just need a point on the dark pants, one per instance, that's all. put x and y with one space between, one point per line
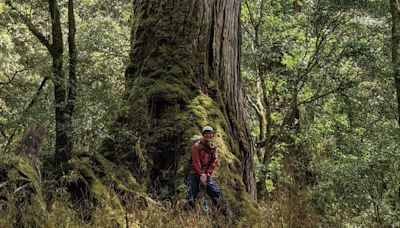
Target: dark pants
211 189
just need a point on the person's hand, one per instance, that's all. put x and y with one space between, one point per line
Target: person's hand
203 179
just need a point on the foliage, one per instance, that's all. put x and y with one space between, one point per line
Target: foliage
333 59
321 101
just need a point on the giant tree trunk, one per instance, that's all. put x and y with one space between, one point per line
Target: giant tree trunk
395 10
184 74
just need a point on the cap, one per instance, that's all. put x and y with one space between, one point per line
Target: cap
207 128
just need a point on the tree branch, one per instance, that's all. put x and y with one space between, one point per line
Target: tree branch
3 133
261 14
320 42
254 106
11 78
316 97
72 58
33 101
252 20
31 27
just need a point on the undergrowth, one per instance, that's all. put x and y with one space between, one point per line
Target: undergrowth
97 193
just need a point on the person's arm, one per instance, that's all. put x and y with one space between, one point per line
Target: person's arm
211 168
196 159
212 165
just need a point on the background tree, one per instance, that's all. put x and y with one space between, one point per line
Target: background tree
103 40
64 86
395 10
326 66
284 72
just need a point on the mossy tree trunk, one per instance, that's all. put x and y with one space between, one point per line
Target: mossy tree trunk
395 11
184 73
64 84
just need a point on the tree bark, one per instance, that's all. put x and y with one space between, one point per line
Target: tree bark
72 61
395 11
63 123
297 6
184 73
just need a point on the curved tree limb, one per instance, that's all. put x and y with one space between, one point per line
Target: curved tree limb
33 101
42 38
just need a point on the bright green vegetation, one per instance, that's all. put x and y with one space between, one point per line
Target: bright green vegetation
329 64
321 106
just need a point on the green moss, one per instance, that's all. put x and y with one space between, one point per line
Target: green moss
62 213
140 155
186 122
109 203
166 108
103 185
206 111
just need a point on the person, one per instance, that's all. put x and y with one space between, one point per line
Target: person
203 163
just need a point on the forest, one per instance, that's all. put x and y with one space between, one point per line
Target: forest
102 100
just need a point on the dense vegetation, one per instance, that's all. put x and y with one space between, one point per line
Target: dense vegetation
320 80
93 94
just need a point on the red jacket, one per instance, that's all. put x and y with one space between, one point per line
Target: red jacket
201 155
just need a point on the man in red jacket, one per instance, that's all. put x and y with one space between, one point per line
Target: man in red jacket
202 166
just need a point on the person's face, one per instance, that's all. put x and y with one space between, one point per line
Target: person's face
208 136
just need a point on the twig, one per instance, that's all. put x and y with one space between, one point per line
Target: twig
22 187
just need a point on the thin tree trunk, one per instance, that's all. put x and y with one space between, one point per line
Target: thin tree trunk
395 11
63 103
63 144
72 60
